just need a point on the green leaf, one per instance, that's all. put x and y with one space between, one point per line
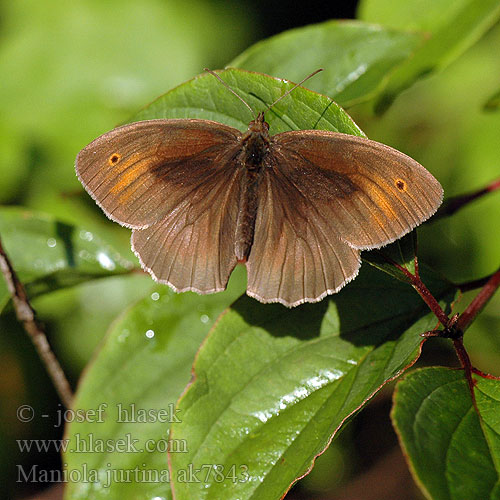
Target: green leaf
452 26
356 57
453 452
273 385
206 98
48 255
400 253
143 366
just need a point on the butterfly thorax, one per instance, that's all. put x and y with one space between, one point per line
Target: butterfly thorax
254 150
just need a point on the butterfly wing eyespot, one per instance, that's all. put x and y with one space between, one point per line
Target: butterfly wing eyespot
400 184
114 159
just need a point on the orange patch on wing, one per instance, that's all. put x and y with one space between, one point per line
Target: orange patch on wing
381 201
376 219
385 207
128 172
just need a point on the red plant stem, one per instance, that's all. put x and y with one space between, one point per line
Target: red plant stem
452 205
430 300
480 300
465 320
425 293
484 375
463 356
422 290
26 315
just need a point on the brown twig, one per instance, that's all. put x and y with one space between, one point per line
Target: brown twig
452 205
26 315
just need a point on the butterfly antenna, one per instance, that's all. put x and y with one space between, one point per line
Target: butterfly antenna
293 88
231 90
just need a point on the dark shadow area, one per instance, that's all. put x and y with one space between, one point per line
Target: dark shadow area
372 309
65 232
275 16
20 367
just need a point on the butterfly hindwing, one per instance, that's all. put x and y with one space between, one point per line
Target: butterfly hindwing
294 258
192 248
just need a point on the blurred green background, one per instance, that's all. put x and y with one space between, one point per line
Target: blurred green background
71 71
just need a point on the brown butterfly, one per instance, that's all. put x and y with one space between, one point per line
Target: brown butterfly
297 207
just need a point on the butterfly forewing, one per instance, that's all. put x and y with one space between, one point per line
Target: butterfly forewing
371 194
141 172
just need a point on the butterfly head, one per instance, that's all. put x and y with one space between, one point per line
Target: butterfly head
259 125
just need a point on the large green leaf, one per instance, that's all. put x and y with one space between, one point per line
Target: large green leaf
453 452
357 58
144 364
48 254
273 385
451 27
206 98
